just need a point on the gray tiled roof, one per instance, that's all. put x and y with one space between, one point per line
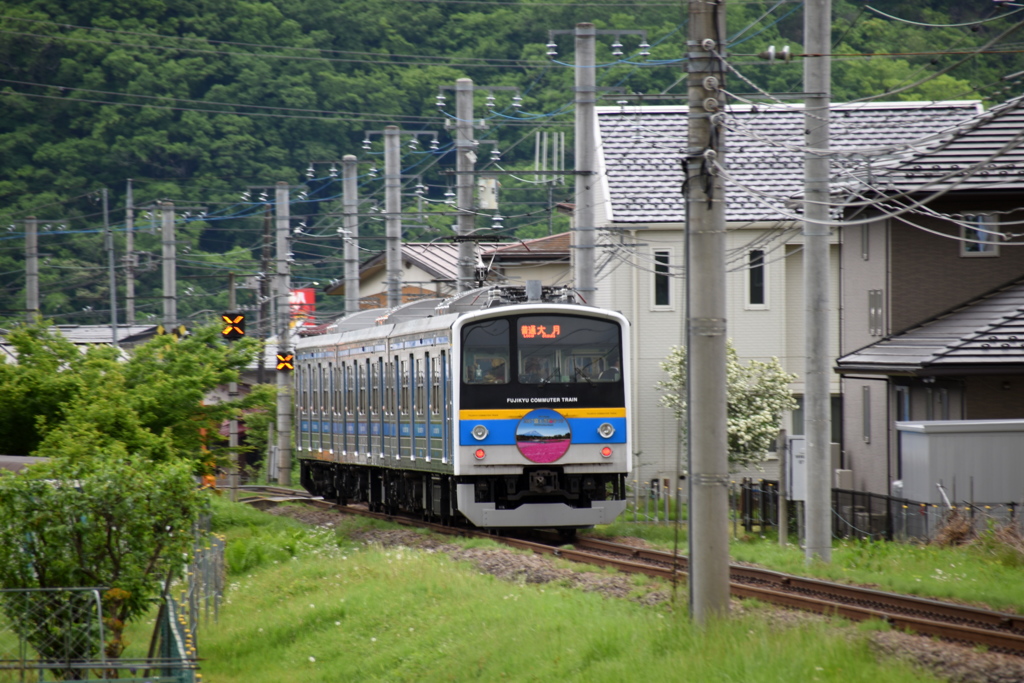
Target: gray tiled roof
984 153
643 148
988 331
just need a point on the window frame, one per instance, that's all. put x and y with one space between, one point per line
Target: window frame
662 270
988 232
748 281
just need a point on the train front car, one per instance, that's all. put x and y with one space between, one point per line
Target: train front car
542 403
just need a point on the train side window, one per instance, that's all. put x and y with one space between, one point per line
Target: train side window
389 388
403 400
364 372
486 352
325 388
350 390
374 389
421 401
435 387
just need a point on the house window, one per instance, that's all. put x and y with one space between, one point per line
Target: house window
757 283
866 412
902 403
876 321
979 236
662 279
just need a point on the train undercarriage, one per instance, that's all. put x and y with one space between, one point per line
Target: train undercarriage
440 497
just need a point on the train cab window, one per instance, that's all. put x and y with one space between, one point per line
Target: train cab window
485 355
566 349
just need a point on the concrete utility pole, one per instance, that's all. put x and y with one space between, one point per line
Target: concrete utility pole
31 268
465 161
284 379
264 326
817 400
393 213
350 222
709 460
169 266
586 153
108 237
129 256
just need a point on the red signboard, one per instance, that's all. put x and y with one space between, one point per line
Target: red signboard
302 303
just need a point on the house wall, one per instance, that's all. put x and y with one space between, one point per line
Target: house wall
866 432
558 273
864 267
929 276
626 284
995 397
416 284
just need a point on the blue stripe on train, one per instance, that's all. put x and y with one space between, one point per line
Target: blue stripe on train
503 432
316 427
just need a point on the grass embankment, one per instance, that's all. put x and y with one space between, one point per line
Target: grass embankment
311 605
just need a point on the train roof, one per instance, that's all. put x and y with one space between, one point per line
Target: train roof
424 315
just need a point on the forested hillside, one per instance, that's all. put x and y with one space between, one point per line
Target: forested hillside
207 103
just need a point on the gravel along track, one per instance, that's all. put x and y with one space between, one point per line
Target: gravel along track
955 663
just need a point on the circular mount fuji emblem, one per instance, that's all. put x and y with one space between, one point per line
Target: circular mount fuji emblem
543 436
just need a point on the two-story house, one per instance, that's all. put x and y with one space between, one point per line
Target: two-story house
933 290
641 209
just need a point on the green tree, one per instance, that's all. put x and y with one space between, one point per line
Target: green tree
114 520
757 394
57 399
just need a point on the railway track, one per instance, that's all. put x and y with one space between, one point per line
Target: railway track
997 631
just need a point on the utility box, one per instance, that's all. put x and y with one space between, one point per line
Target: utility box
796 466
487 193
844 479
975 460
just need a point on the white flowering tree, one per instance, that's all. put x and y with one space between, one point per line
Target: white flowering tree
757 395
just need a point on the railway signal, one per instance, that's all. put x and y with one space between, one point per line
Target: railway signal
285 362
234 326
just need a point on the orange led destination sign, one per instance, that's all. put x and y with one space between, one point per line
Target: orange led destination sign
540 331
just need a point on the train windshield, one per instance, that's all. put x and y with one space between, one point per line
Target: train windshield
485 352
567 349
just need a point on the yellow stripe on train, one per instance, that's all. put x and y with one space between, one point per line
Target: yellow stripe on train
519 413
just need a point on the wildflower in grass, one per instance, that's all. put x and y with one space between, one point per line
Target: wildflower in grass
312 659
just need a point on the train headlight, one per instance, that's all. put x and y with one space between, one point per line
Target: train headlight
606 430
480 432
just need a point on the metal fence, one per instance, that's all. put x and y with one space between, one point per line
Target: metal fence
58 634
754 508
